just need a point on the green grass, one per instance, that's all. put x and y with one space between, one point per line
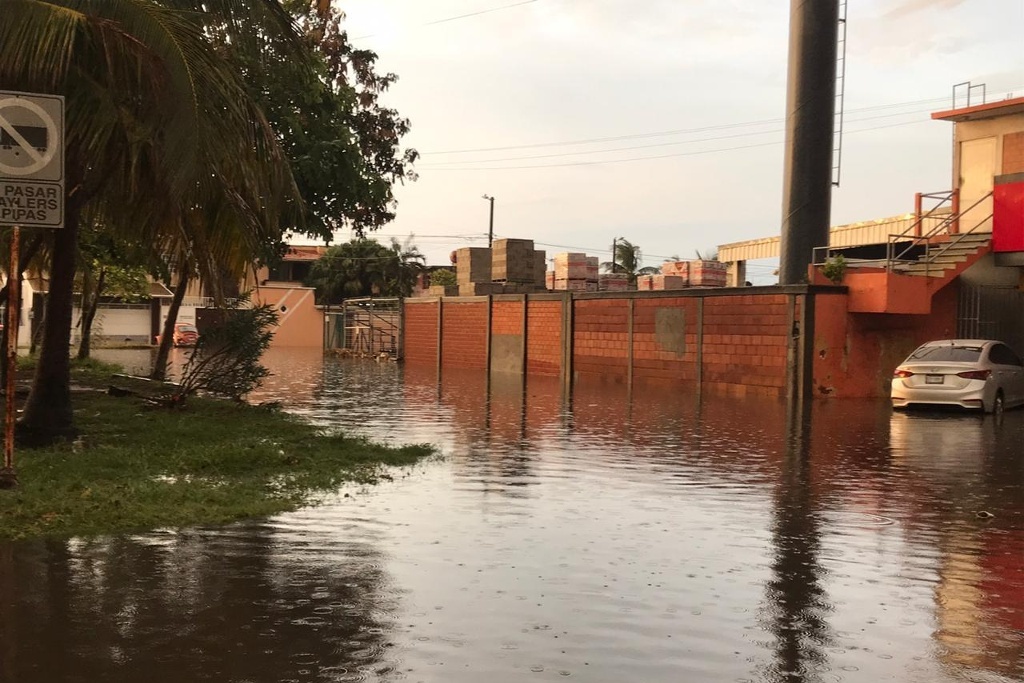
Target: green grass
137 467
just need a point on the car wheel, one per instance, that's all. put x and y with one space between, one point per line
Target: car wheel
999 404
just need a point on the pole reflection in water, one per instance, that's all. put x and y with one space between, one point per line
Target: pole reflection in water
622 536
796 605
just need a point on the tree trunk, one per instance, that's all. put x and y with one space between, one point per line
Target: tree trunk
167 335
89 305
27 255
48 416
37 325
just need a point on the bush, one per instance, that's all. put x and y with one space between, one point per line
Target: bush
443 277
834 268
226 359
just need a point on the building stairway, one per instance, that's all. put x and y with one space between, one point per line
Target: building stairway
915 266
943 259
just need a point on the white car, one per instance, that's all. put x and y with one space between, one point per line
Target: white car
978 374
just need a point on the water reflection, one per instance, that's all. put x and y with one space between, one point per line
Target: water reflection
246 603
971 469
643 537
796 605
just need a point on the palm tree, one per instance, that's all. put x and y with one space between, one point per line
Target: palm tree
408 263
627 259
365 267
162 143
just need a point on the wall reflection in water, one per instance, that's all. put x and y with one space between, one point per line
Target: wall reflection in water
613 535
245 603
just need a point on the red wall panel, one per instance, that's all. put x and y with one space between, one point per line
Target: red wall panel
1008 216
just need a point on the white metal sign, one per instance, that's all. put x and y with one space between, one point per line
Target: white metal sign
31 159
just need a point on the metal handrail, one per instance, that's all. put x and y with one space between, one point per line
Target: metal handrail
942 196
892 258
953 242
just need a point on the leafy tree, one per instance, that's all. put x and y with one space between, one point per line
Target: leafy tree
163 142
708 255
365 267
108 269
342 143
443 277
627 259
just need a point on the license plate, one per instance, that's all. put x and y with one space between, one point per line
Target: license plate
933 379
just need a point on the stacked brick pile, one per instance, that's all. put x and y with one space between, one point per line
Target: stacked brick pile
677 269
572 273
707 274
513 266
512 261
613 282
658 283
473 270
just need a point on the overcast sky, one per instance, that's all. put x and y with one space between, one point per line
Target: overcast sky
688 98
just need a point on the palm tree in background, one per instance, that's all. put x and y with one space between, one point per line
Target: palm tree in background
365 267
163 145
627 259
409 262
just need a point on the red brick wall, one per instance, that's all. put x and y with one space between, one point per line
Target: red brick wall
507 317
1013 153
854 355
600 339
544 338
745 342
464 334
654 361
421 333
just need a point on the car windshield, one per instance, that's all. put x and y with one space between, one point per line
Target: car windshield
955 354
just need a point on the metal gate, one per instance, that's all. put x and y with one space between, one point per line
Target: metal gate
992 312
366 327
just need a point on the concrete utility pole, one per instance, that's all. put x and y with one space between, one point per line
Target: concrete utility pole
810 125
615 244
490 225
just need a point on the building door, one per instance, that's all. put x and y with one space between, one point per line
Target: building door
977 171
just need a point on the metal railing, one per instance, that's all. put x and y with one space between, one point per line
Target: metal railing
916 241
820 255
366 327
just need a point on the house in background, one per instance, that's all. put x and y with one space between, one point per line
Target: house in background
117 322
121 323
300 322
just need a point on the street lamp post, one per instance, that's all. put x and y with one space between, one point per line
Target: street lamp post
490 224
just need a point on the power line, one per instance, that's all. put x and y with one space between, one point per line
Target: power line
461 16
478 13
437 164
665 133
645 158
684 131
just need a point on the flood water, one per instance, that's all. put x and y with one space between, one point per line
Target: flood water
644 538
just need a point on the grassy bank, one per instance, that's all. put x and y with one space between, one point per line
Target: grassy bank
138 467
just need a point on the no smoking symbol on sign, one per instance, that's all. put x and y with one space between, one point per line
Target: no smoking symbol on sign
29 140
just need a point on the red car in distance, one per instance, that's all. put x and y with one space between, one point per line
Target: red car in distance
185 334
